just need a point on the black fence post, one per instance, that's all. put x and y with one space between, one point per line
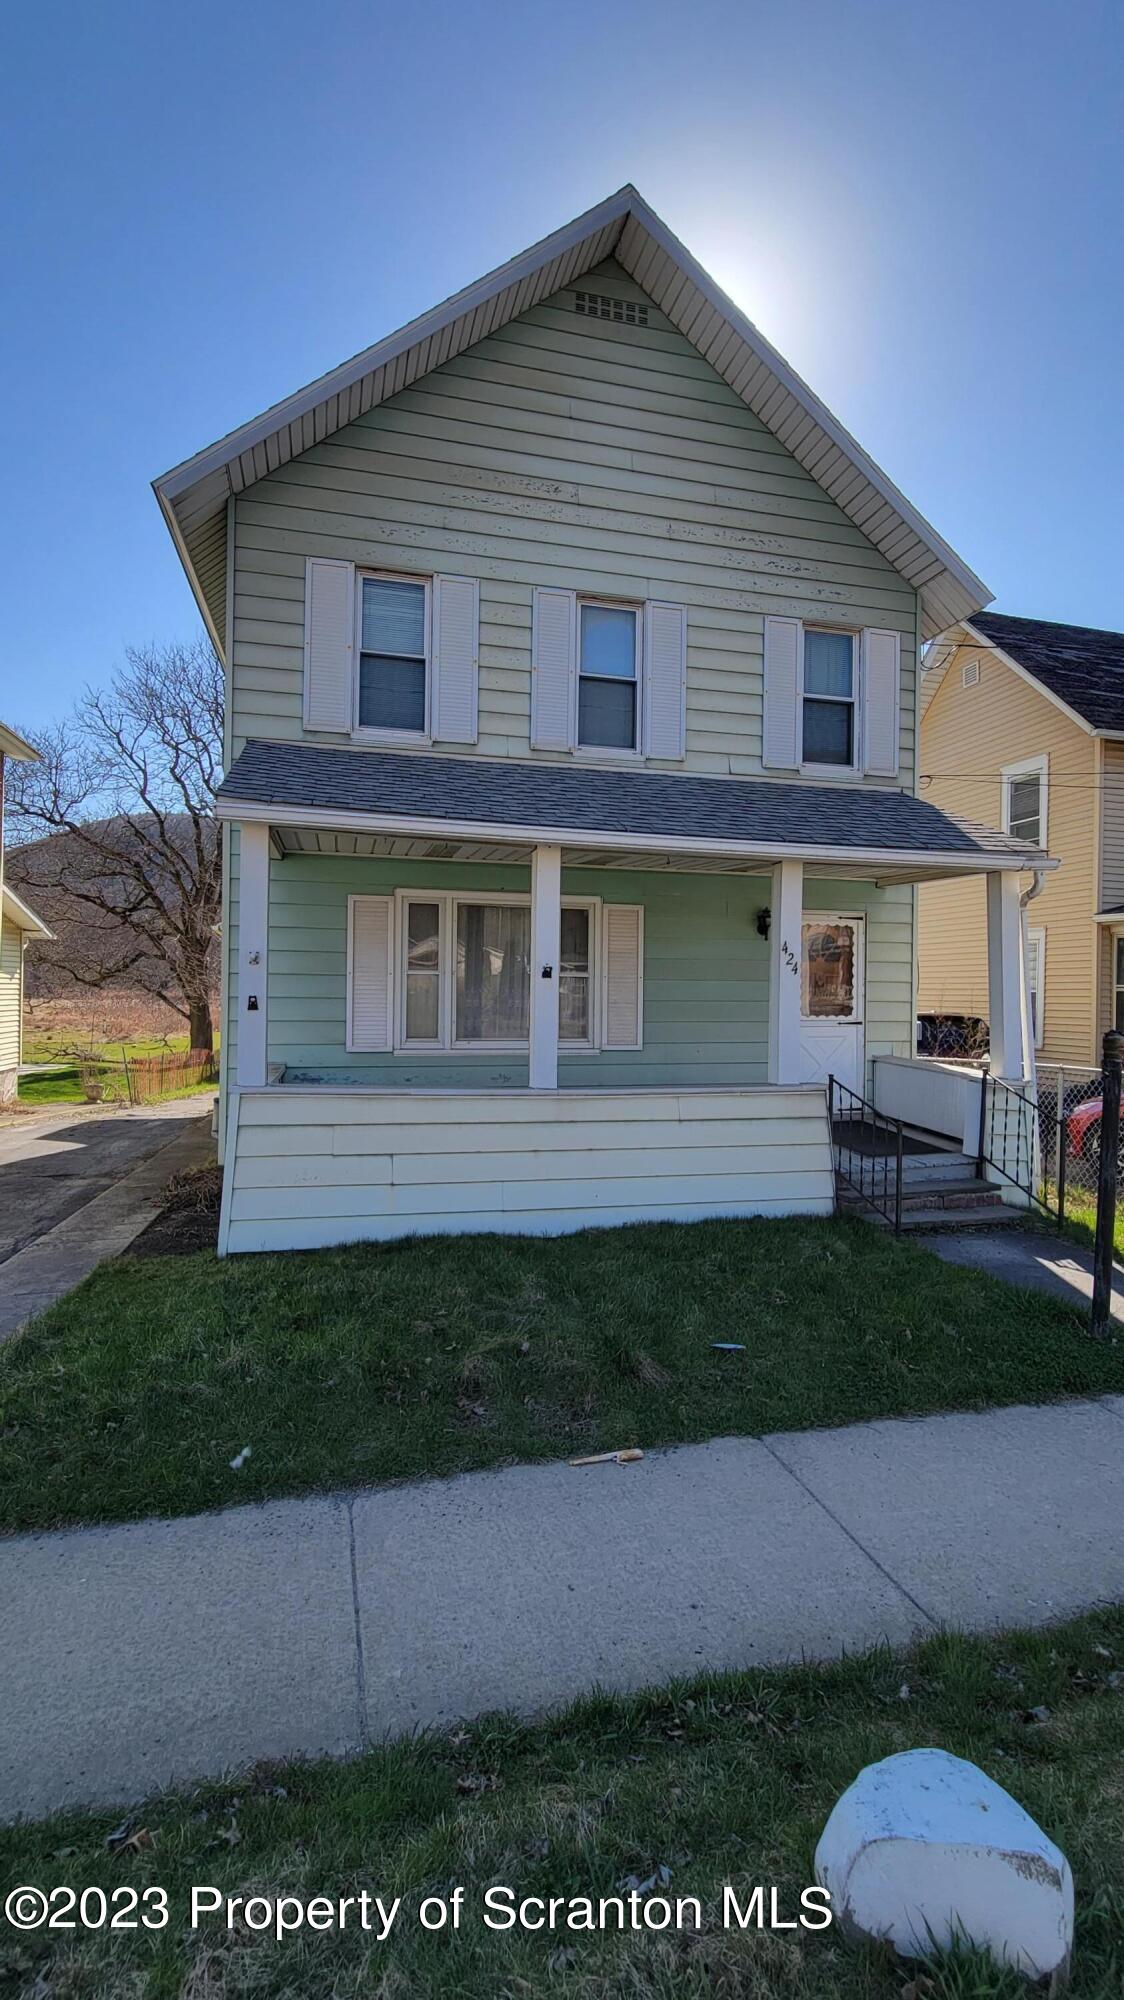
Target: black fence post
1113 1051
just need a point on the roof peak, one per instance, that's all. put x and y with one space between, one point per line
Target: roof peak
193 495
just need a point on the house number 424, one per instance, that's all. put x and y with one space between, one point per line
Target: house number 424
789 957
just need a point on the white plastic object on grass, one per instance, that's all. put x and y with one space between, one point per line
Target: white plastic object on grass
925 1849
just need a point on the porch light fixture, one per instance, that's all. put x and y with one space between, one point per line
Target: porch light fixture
764 918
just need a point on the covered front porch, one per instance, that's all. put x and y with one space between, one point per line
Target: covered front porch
449 1025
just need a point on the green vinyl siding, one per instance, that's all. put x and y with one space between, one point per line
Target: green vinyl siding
706 973
562 450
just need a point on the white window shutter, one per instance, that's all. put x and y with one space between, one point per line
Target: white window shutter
622 975
369 997
456 653
554 667
665 680
881 674
329 643
780 736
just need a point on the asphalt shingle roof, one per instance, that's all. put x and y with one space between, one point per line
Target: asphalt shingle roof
1081 666
292 776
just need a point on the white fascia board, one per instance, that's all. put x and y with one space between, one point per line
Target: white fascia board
413 826
173 525
13 746
18 913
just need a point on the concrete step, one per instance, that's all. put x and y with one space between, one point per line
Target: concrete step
925 1168
973 1212
958 1194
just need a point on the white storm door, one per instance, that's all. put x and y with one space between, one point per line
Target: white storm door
831 1001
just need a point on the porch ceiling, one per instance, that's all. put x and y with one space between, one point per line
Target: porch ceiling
329 841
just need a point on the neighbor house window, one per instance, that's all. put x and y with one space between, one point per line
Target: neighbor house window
465 972
1118 984
1024 801
608 676
393 651
829 698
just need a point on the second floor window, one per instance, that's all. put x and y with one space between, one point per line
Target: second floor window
1024 801
393 655
608 676
829 698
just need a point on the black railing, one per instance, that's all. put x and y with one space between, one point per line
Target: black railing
869 1148
1007 1136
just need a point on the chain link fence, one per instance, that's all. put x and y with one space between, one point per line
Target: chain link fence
1069 1114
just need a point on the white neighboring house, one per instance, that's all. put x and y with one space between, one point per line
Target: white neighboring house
18 925
572 829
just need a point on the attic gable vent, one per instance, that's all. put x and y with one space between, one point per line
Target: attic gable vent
970 674
598 305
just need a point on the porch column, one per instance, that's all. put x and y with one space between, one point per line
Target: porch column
786 918
253 951
1005 976
546 944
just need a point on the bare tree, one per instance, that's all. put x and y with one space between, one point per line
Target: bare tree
129 780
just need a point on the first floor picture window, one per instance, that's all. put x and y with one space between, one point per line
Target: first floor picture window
392 655
1118 984
451 970
493 979
829 698
608 676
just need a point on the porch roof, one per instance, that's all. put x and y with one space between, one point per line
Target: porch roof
396 792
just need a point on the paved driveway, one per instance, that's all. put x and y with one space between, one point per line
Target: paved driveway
51 1166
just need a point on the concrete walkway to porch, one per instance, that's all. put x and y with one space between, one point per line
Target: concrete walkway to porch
137 1656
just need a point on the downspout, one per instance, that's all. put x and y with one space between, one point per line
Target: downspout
1030 1069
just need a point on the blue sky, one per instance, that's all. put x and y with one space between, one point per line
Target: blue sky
920 204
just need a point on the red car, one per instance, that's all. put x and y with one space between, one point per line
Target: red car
1083 1131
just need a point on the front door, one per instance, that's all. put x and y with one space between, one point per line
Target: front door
831 1001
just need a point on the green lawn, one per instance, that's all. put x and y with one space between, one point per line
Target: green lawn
337 1368
64 1086
724 1783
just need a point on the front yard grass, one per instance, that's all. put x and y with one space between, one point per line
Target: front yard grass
340 1368
725 1782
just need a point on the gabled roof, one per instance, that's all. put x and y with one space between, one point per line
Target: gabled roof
667 812
1080 667
193 495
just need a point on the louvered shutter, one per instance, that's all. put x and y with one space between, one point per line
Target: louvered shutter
329 643
780 738
369 996
622 948
665 679
881 700
554 665
456 648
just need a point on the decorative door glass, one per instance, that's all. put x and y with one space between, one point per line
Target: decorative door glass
829 972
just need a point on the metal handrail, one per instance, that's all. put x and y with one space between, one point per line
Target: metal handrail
885 1201
1023 1111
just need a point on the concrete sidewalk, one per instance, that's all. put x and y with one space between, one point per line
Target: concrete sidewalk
132 1657
1030 1257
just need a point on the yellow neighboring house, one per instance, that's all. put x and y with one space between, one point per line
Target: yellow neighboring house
17 925
1022 726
